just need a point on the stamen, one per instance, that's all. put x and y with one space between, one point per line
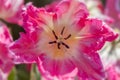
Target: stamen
58 45
65 45
52 42
62 30
54 34
59 40
68 37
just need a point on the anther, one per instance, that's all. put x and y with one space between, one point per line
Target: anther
52 42
54 34
58 45
65 45
68 37
62 31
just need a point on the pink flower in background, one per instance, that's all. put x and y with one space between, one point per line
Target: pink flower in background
10 10
112 9
64 39
96 10
113 71
3 76
112 74
6 62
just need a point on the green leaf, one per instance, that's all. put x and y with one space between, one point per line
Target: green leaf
35 75
12 75
22 73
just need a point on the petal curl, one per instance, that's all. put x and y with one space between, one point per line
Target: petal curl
37 18
92 32
28 50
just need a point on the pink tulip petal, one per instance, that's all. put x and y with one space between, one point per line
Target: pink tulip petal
113 12
10 10
5 54
26 52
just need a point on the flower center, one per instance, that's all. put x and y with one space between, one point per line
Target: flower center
60 39
59 43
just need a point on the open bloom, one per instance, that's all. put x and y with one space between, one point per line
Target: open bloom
113 11
5 57
63 39
10 10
